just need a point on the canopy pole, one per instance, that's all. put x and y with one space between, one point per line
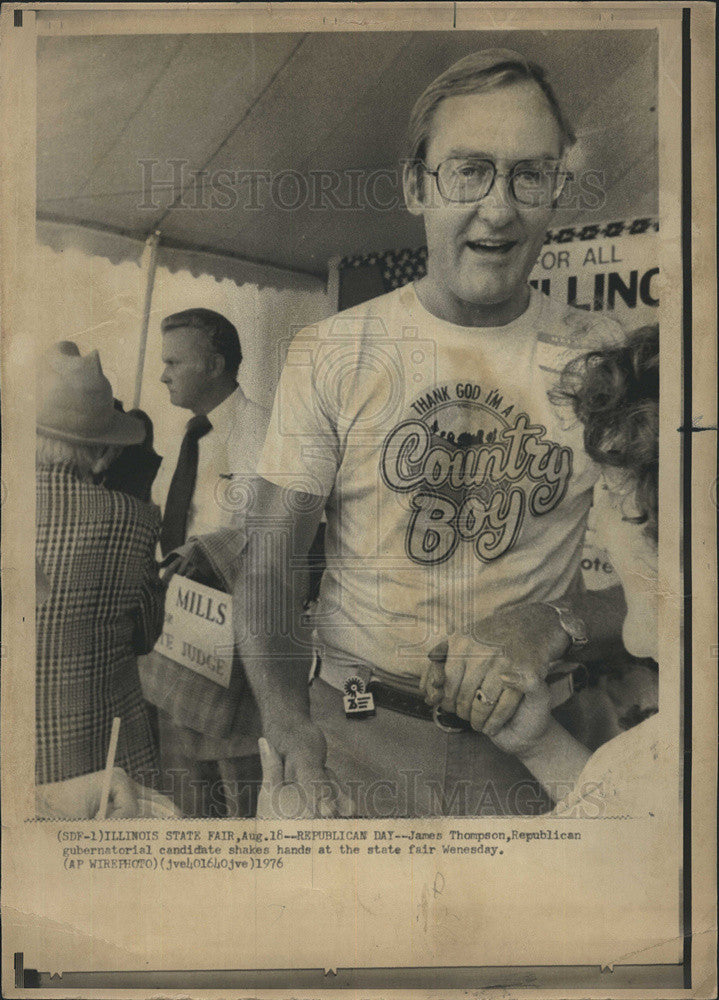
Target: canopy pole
148 265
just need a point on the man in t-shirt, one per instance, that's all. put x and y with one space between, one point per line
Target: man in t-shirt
456 491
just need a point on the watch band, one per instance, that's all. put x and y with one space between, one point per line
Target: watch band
571 623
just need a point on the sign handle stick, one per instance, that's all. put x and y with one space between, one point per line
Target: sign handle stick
109 767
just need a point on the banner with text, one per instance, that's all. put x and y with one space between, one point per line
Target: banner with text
608 267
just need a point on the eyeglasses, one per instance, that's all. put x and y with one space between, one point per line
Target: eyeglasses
531 182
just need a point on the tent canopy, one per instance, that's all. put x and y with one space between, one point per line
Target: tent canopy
124 121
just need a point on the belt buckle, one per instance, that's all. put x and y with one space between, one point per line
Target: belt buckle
437 714
358 702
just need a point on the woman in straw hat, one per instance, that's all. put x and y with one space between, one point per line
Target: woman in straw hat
95 547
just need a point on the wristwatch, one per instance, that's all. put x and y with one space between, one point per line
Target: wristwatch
571 623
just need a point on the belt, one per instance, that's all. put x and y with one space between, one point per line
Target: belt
562 685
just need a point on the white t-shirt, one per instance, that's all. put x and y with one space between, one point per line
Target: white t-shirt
453 486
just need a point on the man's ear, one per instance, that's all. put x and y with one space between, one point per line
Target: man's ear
413 184
215 365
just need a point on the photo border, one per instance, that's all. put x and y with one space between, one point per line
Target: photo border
29 978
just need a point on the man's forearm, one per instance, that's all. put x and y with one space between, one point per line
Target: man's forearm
273 642
556 760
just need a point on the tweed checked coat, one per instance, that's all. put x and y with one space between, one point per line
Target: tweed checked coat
96 547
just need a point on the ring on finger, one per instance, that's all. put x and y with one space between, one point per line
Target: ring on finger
481 696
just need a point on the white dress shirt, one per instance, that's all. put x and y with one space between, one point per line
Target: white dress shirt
227 459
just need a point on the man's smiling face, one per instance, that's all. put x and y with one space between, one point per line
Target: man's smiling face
481 253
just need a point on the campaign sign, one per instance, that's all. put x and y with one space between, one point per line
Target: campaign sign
198 629
608 267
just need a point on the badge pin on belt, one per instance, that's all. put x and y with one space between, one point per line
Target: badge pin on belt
359 704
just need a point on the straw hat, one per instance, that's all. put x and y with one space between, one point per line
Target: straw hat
74 401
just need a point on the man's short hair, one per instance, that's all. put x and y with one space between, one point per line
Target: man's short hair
222 334
481 71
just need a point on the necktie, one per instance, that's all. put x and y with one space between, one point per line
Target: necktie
179 497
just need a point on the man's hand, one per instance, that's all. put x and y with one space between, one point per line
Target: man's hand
524 732
79 798
187 560
526 640
297 788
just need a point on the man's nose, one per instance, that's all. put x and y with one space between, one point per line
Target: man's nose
498 206
165 377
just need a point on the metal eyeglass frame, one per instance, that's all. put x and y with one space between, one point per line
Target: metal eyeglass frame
565 175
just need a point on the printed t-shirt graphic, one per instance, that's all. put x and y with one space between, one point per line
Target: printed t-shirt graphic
453 485
473 472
